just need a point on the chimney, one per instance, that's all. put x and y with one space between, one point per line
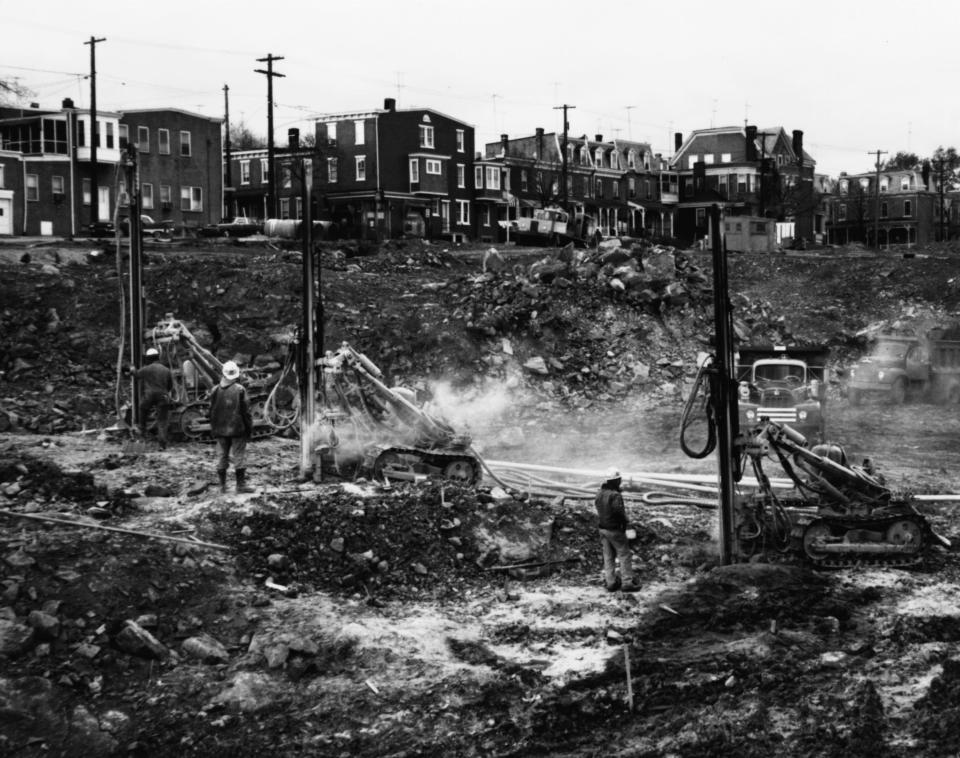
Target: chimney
293 138
677 140
598 137
539 142
798 145
389 104
540 131
751 143
504 139
67 103
925 174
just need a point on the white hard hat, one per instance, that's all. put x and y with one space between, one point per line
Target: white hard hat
151 351
613 473
230 370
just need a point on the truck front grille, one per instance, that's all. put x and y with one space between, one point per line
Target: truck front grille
781 415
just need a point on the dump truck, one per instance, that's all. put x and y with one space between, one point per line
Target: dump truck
783 383
909 366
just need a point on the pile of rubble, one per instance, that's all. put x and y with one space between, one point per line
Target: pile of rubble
402 542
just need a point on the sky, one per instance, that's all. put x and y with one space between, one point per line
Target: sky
855 77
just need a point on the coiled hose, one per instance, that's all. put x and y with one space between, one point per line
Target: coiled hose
703 389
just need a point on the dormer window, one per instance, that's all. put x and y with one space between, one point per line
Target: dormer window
904 183
598 157
632 159
884 184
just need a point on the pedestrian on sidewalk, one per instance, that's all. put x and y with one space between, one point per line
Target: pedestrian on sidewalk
231 424
613 525
156 386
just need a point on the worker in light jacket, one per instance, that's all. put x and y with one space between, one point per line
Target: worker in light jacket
231 424
156 387
613 525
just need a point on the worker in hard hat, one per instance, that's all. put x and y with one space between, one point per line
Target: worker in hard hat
612 523
231 423
156 386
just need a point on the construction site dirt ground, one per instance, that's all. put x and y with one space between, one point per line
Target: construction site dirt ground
396 636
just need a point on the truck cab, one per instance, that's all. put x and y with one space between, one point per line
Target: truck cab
786 384
895 364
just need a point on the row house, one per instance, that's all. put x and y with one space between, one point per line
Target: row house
620 183
46 168
763 175
372 174
898 207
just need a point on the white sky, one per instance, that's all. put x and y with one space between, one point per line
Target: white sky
854 76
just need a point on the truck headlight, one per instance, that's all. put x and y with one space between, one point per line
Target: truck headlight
880 376
802 415
744 390
751 415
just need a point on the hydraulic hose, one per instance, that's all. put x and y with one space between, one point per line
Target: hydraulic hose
702 387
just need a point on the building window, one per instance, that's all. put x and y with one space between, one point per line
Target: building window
614 159
460 141
463 212
493 177
599 192
864 185
185 146
708 159
414 171
646 161
110 134
739 227
298 208
124 132
146 195
779 159
478 177
244 172
87 190
884 184
81 133
693 159
904 183
725 158
165 197
264 169
701 216
433 167
191 198
907 208
615 189
632 159
760 227
1 177
883 210
286 177
56 184
332 170
523 180
284 207
844 186
842 212
426 135
143 139
461 175
487 221
163 141
631 187
33 187
361 167
598 156
359 134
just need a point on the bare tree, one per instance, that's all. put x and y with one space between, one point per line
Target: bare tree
243 138
12 92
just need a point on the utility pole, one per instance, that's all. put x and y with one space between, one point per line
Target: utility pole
272 182
136 277
763 171
226 141
94 134
876 200
563 153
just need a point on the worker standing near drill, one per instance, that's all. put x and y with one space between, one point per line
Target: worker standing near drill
613 525
156 384
231 424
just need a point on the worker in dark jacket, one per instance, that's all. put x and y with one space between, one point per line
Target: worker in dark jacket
231 424
156 384
612 523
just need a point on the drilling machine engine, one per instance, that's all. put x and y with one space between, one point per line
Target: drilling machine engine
838 514
382 429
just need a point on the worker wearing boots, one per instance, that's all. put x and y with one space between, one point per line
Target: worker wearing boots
156 384
612 522
231 424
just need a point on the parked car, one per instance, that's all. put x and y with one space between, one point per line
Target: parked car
241 226
101 229
151 228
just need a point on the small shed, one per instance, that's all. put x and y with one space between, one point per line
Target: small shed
750 234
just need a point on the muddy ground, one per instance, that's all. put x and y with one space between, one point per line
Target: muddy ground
349 619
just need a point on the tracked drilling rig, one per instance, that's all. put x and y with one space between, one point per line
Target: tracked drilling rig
837 514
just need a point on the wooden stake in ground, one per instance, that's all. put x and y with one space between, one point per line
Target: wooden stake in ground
626 666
